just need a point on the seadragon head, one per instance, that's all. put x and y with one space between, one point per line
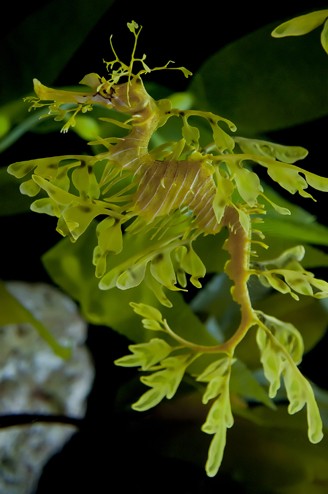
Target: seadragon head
122 90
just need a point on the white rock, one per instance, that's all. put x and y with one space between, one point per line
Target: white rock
34 380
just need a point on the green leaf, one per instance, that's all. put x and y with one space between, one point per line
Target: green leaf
87 127
299 227
13 312
324 37
263 84
244 383
302 24
286 228
69 265
44 57
4 125
289 255
210 250
280 456
11 199
16 122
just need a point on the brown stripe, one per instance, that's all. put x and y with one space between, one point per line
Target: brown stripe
169 185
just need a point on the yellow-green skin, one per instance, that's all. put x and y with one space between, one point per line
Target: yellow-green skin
170 195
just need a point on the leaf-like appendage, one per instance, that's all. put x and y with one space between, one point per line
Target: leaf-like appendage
219 417
110 239
300 393
245 384
29 188
222 199
163 383
290 177
287 154
277 362
84 180
288 275
290 255
158 290
216 375
271 362
295 281
145 355
163 271
216 450
192 264
247 182
285 333
147 311
132 276
145 257
152 318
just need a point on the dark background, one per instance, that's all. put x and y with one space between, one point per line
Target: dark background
107 455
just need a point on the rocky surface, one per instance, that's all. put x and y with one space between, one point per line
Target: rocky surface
34 380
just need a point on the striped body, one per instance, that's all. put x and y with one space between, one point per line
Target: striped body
166 186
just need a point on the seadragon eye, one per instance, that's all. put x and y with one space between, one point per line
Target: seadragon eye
106 91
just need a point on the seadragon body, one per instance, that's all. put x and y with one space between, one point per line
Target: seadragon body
163 197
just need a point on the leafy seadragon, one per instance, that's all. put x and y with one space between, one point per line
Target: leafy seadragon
172 193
